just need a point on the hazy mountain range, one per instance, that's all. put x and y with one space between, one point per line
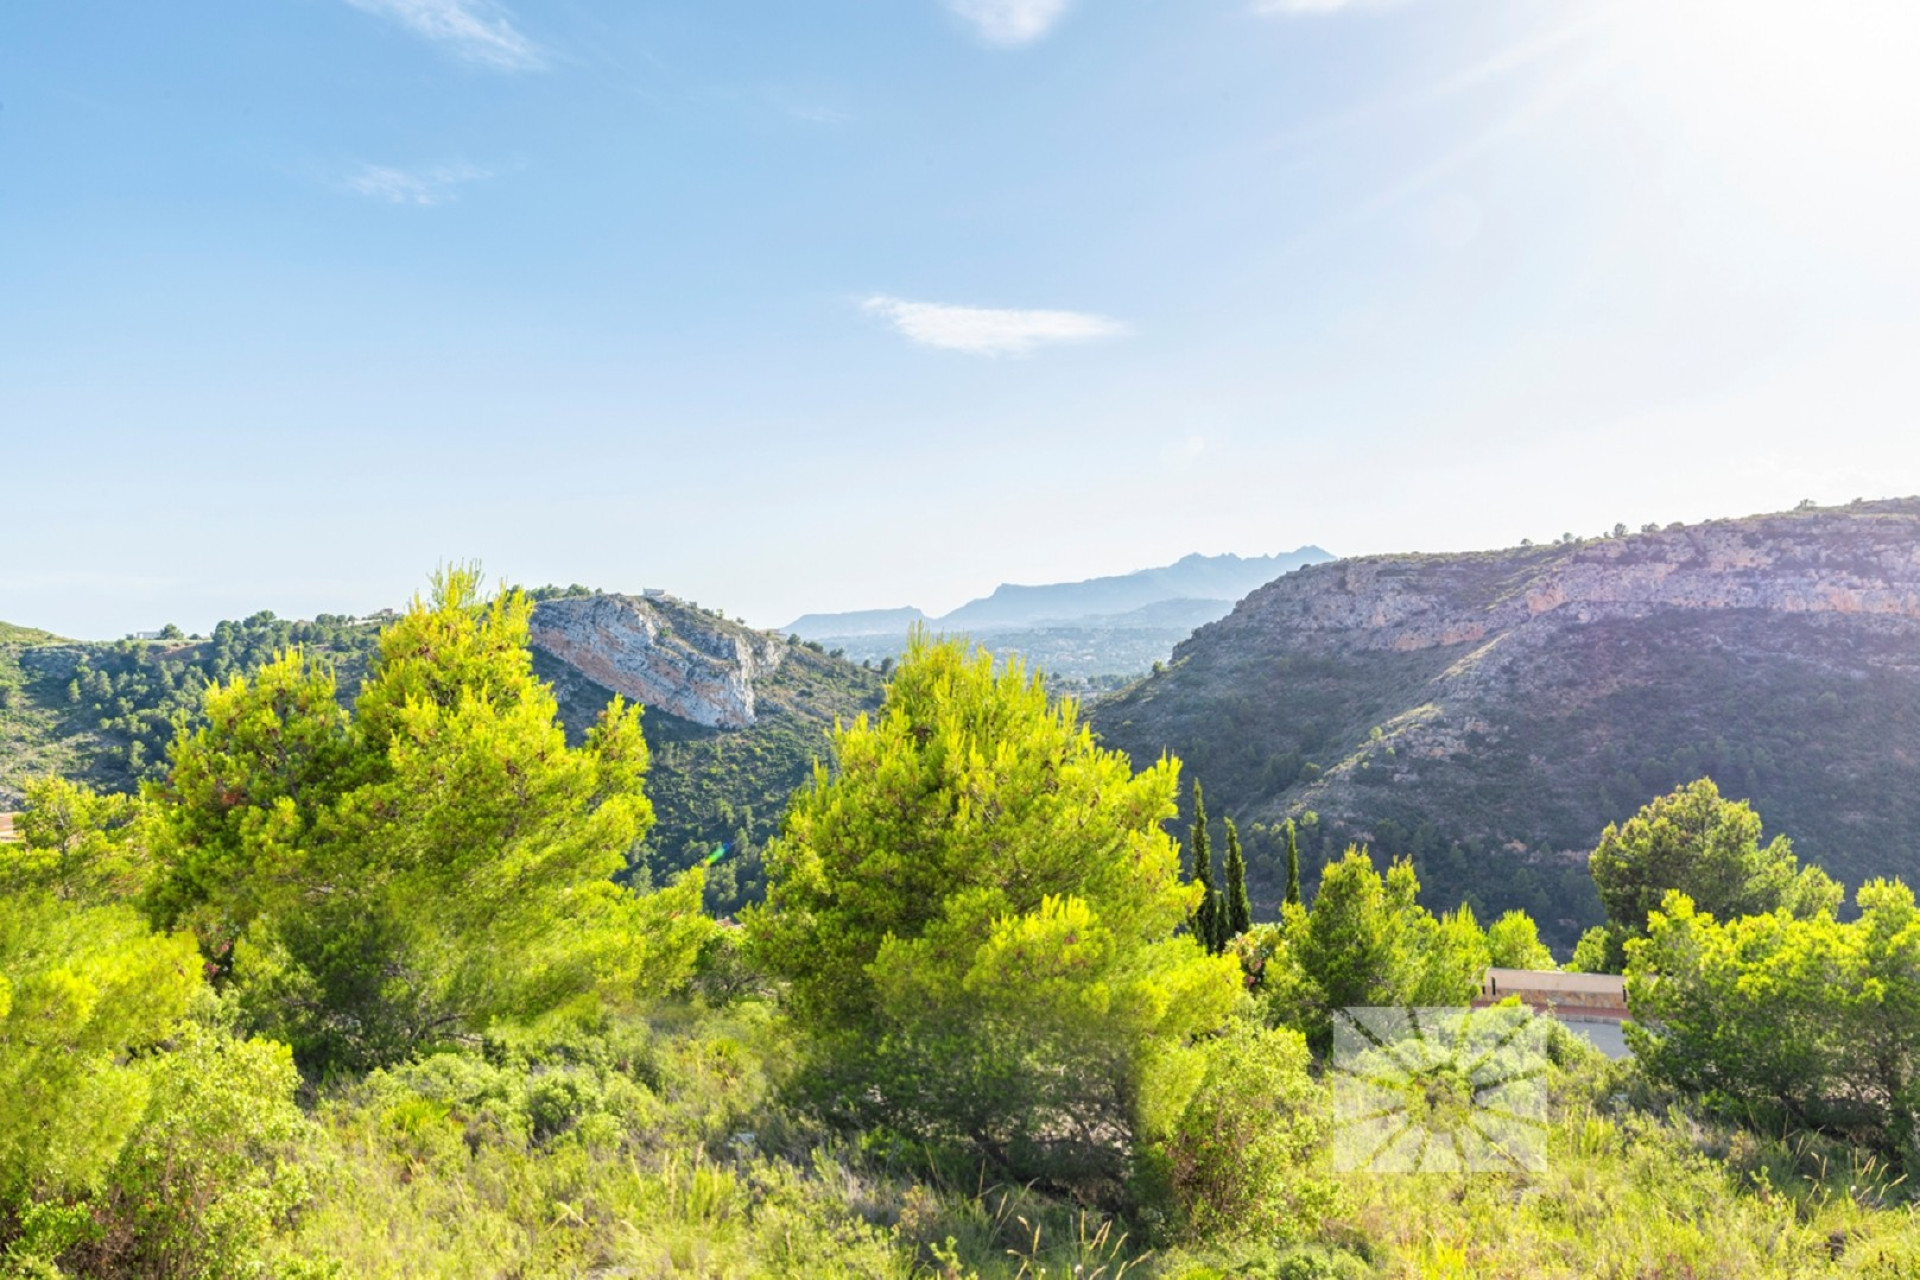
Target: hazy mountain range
1114 626
1193 578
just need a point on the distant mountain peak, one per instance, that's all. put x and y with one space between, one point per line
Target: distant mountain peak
1193 577
859 622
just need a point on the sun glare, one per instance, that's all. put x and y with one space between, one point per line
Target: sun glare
1814 108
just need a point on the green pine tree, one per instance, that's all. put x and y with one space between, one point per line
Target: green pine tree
1238 907
1206 918
1293 864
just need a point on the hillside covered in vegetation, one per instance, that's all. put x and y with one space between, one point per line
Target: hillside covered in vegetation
736 719
105 713
1488 714
357 989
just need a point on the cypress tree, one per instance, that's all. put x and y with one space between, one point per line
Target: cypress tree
1293 864
1239 908
1206 926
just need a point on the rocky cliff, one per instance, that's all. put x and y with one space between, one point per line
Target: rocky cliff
1487 714
736 719
661 652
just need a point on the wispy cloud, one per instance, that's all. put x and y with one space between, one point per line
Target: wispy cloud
1010 22
816 115
434 185
990 331
1319 6
477 30
806 108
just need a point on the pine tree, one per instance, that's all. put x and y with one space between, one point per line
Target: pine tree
1239 908
1206 918
961 943
1293 864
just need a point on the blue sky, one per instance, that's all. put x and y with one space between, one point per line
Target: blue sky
855 303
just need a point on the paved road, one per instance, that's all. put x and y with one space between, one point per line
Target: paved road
1603 1033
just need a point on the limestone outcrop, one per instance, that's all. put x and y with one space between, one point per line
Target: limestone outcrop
1864 561
1490 713
662 652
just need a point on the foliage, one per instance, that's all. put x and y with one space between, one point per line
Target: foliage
1513 942
974 913
1694 841
1238 907
105 714
714 788
1206 924
1236 1163
1631 1193
239 810
971 968
74 844
1811 1021
1292 897
440 859
1599 950
81 987
553 592
1367 942
216 1171
114 706
13 633
588 1145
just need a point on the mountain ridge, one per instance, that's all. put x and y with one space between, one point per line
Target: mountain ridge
1487 713
1087 636
1225 577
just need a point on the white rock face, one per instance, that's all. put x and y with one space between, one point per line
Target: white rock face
1838 562
1515 621
661 653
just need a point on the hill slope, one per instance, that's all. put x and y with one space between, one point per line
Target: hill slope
735 717
13 635
1488 714
103 711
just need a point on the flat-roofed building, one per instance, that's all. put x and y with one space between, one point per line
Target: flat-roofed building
1592 1005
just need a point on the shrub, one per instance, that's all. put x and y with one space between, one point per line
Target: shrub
215 1171
1237 1162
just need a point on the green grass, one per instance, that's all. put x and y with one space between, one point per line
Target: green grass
669 1152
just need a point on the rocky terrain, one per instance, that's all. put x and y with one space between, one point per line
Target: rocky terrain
661 652
1488 714
735 718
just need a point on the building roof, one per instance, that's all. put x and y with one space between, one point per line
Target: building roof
1518 981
